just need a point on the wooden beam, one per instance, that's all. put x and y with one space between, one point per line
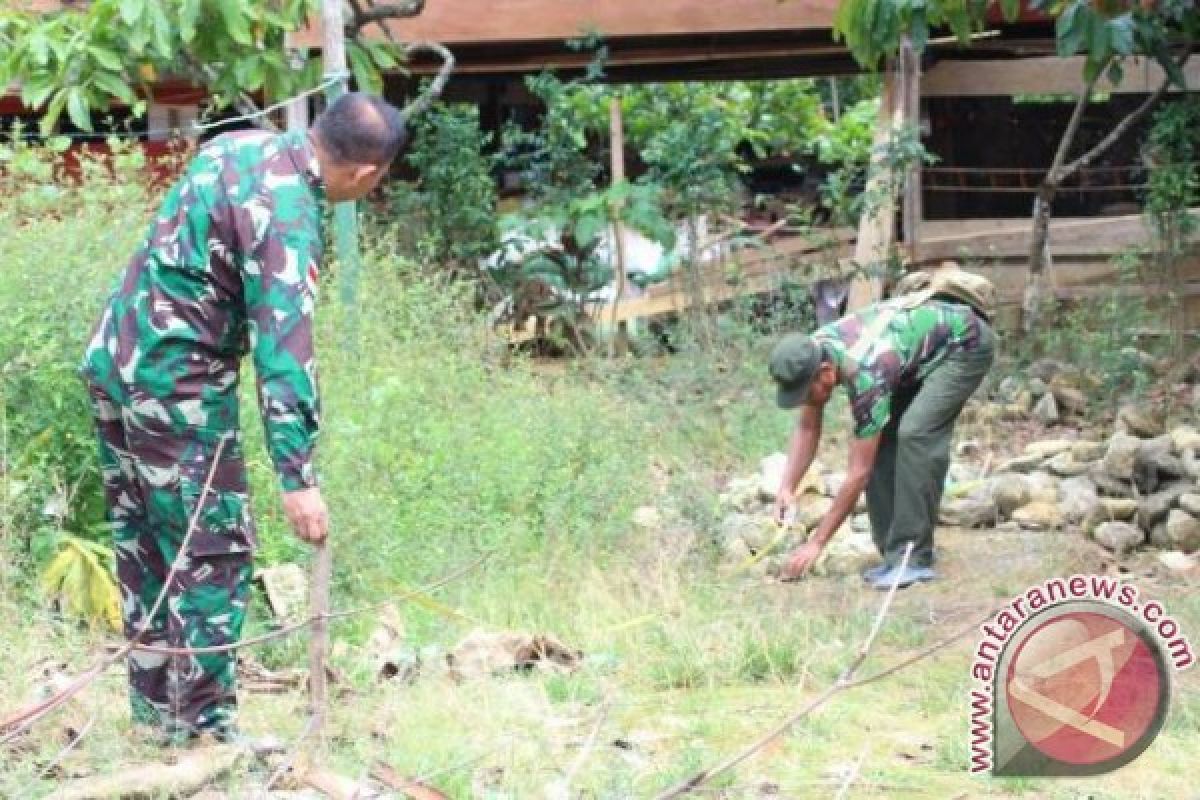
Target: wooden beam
910 71
1042 75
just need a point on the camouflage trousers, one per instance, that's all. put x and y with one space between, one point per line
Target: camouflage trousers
154 474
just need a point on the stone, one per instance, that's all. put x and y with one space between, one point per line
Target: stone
1048 448
1184 437
1064 465
1190 502
810 508
737 552
860 523
1121 456
1079 499
1039 516
1046 410
1084 450
1024 401
1183 531
1038 388
1119 537
1191 463
770 475
976 510
1007 391
1158 536
1043 487
1153 507
1122 508
1159 453
1070 400
1009 491
1022 463
647 518
1178 561
1108 485
737 525
1045 369
1138 419
847 553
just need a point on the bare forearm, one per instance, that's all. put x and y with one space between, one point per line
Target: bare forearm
803 448
843 504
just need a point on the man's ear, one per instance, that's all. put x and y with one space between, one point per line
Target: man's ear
365 173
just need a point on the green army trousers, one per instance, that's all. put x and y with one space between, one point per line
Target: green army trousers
905 487
154 473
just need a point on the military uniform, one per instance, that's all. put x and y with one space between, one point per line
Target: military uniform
908 372
228 267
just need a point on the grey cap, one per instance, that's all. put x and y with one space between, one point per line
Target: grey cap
794 362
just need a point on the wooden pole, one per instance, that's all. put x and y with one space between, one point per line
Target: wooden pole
910 72
877 227
345 217
297 110
618 344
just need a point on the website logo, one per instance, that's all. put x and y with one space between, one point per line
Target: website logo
1073 677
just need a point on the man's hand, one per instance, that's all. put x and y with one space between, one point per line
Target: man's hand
306 512
783 504
801 560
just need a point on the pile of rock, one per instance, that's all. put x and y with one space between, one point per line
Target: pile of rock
753 543
1139 486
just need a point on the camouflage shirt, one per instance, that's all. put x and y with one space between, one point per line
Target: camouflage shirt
228 267
885 347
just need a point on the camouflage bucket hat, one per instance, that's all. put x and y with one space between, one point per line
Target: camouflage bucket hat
793 363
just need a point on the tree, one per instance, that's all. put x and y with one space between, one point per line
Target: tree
1105 32
84 59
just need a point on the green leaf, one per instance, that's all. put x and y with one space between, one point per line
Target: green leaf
77 109
1071 29
114 86
1120 30
131 11
34 95
105 58
53 112
235 21
1116 73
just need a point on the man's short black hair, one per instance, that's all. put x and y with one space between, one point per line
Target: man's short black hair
361 128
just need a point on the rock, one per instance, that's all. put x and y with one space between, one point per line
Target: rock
1023 402
1119 537
484 653
1159 453
1022 463
1043 487
1008 389
1121 456
1048 448
810 508
1152 508
1185 437
848 553
1158 536
1046 410
1178 561
1065 465
1009 491
737 551
1190 502
976 510
1079 499
1108 485
770 475
860 523
1039 516
1088 450
1191 463
1139 420
1038 388
1183 531
1122 508
760 534
1070 400
647 518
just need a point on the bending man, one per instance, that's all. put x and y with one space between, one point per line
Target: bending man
228 268
908 371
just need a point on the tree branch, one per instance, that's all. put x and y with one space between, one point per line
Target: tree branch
845 680
426 98
379 15
244 104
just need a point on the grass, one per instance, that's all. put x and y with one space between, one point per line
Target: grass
437 450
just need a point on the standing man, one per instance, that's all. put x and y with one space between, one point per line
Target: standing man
228 268
908 366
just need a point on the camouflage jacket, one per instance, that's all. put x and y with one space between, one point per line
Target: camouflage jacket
228 267
886 346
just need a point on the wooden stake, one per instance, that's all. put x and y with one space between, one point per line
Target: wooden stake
618 343
910 71
297 110
318 644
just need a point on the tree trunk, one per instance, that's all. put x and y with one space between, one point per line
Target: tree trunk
1039 242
